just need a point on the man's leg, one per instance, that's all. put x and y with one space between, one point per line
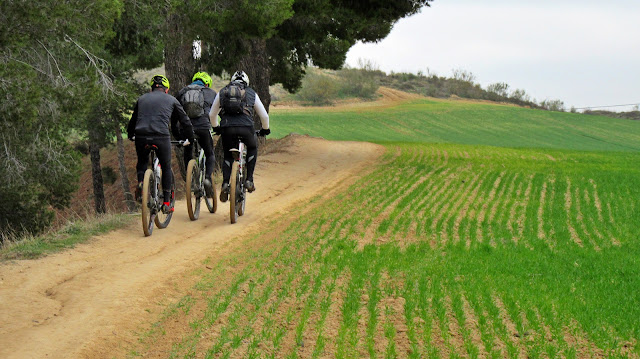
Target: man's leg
229 141
251 141
164 155
141 166
187 156
143 158
206 142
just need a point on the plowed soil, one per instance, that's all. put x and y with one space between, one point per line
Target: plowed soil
89 301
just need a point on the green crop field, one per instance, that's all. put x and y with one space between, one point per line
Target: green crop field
439 121
529 247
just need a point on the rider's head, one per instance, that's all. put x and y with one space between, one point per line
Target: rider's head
159 81
240 76
204 77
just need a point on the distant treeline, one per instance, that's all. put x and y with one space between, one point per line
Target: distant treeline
631 115
323 87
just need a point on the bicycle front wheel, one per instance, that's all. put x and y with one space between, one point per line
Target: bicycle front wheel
211 202
148 203
242 192
162 220
193 190
233 193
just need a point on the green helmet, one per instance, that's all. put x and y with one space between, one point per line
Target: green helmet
204 77
159 80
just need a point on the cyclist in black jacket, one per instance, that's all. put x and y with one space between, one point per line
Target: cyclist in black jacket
149 125
201 81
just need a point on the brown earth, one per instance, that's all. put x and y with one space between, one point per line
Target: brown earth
89 301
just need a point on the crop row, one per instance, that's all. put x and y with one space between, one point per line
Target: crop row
441 251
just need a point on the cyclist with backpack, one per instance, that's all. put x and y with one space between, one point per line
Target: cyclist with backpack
196 99
236 103
152 115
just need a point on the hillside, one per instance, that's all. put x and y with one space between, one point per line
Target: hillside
460 121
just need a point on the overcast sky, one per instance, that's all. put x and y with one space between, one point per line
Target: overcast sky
585 53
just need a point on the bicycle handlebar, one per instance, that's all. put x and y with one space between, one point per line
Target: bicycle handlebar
183 143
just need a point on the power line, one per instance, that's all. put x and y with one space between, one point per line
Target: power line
590 107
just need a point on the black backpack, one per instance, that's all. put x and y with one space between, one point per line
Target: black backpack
193 101
233 99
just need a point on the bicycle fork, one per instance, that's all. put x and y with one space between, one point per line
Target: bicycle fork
240 155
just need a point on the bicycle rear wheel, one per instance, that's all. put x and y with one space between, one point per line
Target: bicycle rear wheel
148 205
193 190
242 192
211 202
162 220
233 193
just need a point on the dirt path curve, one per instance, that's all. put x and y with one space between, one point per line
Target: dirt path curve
87 302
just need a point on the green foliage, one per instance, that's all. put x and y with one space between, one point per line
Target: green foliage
51 68
358 83
323 32
224 27
462 84
552 105
500 89
318 89
109 175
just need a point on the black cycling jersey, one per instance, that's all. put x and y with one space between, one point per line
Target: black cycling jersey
152 115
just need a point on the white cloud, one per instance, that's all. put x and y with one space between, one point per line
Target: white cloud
584 53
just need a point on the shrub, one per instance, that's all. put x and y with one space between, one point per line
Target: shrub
553 105
109 175
318 89
358 83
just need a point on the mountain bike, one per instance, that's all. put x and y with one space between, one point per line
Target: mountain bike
237 190
195 190
152 193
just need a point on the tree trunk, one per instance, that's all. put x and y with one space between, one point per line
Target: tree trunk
96 169
256 65
126 186
179 65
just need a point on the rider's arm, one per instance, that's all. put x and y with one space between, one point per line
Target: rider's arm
215 109
262 112
185 122
131 128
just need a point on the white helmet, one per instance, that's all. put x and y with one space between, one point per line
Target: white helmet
240 76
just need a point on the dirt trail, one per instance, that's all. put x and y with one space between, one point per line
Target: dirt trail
87 302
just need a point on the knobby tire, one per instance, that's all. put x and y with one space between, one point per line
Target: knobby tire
233 183
162 220
147 216
193 190
211 202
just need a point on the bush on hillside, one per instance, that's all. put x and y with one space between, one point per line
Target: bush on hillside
630 115
553 105
318 89
358 83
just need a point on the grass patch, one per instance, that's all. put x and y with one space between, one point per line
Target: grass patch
461 122
67 237
443 251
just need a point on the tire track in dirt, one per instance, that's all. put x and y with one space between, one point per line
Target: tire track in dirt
111 286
